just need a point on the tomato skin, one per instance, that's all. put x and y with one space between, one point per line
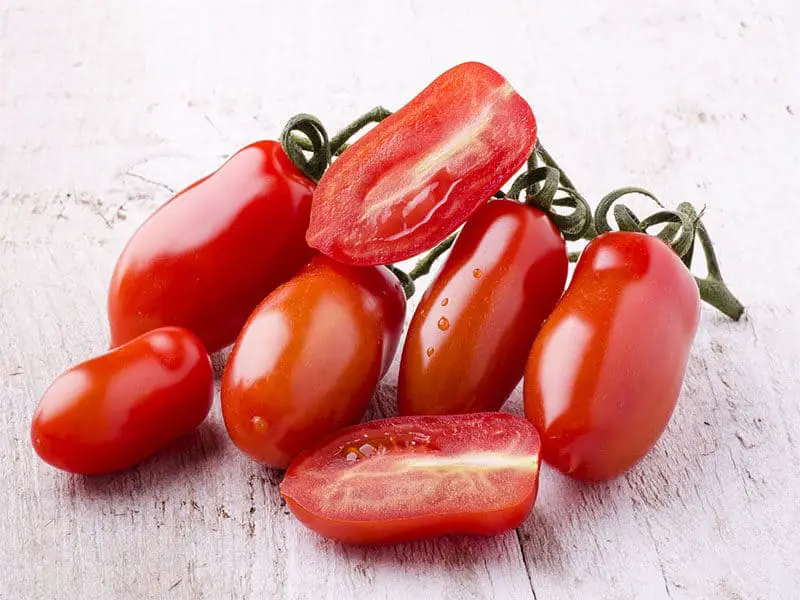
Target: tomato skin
419 174
409 478
309 358
206 258
471 334
605 372
115 410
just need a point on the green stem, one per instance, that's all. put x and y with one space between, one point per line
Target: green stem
423 267
338 141
408 284
713 288
551 162
542 183
319 145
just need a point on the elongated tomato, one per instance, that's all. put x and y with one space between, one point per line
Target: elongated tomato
207 257
420 173
472 332
115 410
605 372
310 357
410 478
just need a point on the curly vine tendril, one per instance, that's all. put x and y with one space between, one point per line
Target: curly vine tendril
683 226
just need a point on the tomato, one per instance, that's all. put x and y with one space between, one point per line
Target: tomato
410 478
471 334
310 357
419 174
606 369
115 410
207 257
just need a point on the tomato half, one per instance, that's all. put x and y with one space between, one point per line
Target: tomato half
419 174
309 358
471 334
606 369
207 257
411 478
115 410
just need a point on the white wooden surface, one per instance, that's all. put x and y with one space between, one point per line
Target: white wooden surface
107 107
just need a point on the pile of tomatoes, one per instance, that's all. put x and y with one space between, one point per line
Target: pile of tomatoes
288 252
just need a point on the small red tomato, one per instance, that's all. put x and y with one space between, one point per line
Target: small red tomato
115 410
309 358
472 332
419 174
606 369
207 257
410 478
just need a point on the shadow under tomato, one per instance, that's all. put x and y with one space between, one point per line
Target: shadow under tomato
384 400
176 465
219 360
446 554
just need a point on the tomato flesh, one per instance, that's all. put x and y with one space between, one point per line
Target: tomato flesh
418 175
471 334
408 478
115 410
309 358
606 369
206 258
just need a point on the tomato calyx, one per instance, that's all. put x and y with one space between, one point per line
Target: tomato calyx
682 227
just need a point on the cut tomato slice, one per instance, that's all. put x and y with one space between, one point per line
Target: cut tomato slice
410 478
418 175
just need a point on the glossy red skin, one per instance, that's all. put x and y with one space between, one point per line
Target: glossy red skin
115 410
605 372
419 477
207 257
310 357
472 332
419 174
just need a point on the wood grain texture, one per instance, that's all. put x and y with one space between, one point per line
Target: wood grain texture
106 108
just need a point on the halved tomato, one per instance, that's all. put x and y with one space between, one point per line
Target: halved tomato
409 478
420 173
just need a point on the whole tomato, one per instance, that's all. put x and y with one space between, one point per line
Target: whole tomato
114 410
207 257
606 369
410 478
419 174
471 334
309 358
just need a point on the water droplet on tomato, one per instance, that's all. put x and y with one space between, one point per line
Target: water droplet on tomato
259 424
445 301
477 273
444 324
351 457
430 351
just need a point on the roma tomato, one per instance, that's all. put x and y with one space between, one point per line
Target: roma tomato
419 174
606 369
471 334
310 357
115 410
207 257
411 478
